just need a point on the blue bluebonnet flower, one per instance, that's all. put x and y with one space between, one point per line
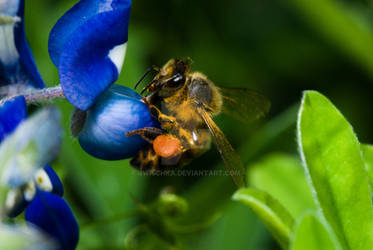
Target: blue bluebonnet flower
12 113
41 195
48 212
88 45
45 208
17 65
52 214
18 198
44 179
118 111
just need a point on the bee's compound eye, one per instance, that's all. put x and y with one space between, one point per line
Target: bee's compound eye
167 146
176 81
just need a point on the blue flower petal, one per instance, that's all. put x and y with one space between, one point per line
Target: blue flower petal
18 198
118 111
87 45
52 214
17 65
56 182
12 113
47 180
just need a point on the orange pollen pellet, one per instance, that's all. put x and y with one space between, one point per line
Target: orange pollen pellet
167 146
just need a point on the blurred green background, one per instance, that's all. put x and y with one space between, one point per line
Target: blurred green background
278 48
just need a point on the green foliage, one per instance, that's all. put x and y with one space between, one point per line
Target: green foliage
262 45
332 158
271 212
367 151
282 176
337 177
356 36
311 234
143 238
172 205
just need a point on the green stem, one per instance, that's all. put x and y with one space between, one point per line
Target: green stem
109 219
36 95
188 229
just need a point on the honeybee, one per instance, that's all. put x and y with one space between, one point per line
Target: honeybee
184 103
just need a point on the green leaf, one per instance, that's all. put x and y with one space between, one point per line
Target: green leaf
367 151
282 176
200 194
277 219
333 162
311 234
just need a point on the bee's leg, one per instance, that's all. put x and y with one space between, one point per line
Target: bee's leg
150 99
147 133
146 160
167 122
156 113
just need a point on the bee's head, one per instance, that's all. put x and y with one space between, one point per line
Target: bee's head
171 77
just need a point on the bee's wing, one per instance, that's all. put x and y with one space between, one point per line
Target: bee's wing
243 104
229 155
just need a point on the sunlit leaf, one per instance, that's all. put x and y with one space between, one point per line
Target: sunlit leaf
311 234
367 151
277 219
282 176
333 162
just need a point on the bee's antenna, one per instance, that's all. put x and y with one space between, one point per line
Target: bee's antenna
155 68
156 81
147 87
189 61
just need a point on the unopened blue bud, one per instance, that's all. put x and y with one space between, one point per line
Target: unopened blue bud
118 111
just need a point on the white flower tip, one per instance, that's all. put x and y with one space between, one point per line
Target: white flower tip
117 55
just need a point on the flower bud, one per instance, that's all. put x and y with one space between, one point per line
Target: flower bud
118 111
172 205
